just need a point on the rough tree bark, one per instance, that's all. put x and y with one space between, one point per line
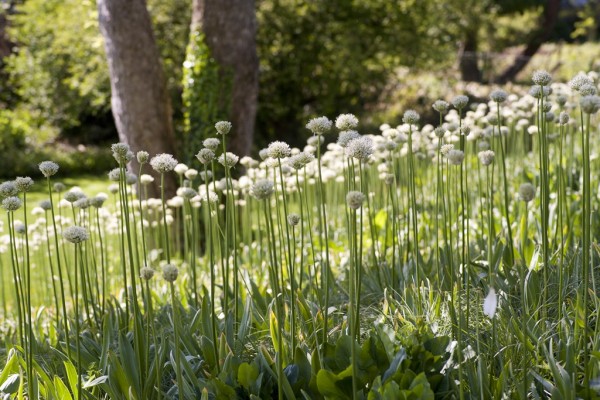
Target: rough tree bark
139 97
549 20
230 30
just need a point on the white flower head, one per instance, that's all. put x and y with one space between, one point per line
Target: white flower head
346 136
163 163
319 125
262 189
181 168
48 168
211 143
355 199
541 77
146 179
223 127
490 303
143 157
279 150
76 234
459 102
498 96
228 160
170 273
8 189
527 192
12 203
360 148
486 157
411 117
441 106
455 157
346 122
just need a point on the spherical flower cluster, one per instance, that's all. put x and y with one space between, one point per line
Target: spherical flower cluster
541 77
188 193
11 203
211 197
346 122
8 189
411 117
98 201
143 156
76 234
527 192
298 161
540 91
580 80
441 106
48 168
355 199
360 148
59 187
445 149
73 195
439 132
561 100
563 118
279 150
121 152
262 189
170 273
211 143
206 176
319 126
146 273
346 136
205 156
191 174
180 169
146 179
486 157
228 160
82 203
163 163
588 90
293 219
459 102
590 104
223 127
45 205
498 96
114 188
455 157
114 174
263 154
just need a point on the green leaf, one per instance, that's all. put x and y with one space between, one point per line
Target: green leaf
247 374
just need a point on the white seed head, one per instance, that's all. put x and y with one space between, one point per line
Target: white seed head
319 125
541 77
48 168
76 234
298 161
206 176
411 117
170 273
498 96
228 160
121 152
346 136
8 189
12 203
355 199
459 102
279 150
346 122
262 189
360 148
441 106
163 163
293 219
580 80
486 157
527 192
146 273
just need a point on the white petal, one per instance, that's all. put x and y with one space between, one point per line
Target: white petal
490 303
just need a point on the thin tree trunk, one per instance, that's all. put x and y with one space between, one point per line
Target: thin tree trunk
469 69
230 30
139 97
549 22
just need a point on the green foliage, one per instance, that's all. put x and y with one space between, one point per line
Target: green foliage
206 89
328 57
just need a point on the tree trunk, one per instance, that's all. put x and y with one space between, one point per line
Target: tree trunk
229 27
469 69
549 22
139 98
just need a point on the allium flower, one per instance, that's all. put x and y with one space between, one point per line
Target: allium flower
550 116
59 187
170 273
20 227
48 168
441 106
45 205
486 157
355 199
561 100
82 203
188 193
180 169
212 197
98 201
191 174
263 154
143 157
114 174
73 195
455 157
319 126
346 122
483 145
298 161
262 189
163 163
460 102
564 118
580 80
205 156
498 96
490 303
228 160
346 136
223 127
588 90
76 234
541 77
279 150
146 179
388 179
527 192
360 148
211 143
315 140
8 189
11 203
293 219
590 104
121 152
206 176
411 117
146 273
130 179
439 132
539 91
446 148
23 183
